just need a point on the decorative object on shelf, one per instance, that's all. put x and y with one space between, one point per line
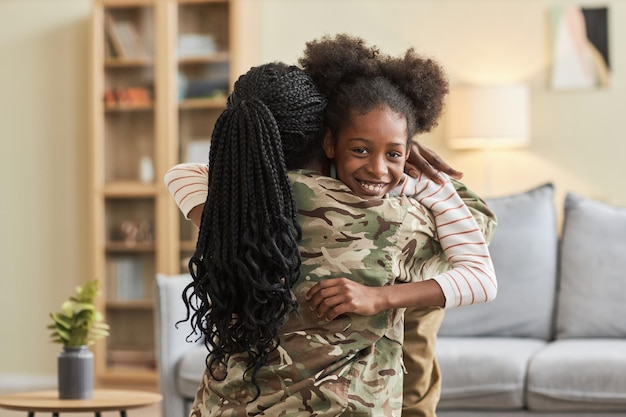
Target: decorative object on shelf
146 169
134 231
77 326
183 83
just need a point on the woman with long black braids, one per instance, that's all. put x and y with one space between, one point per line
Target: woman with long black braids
247 256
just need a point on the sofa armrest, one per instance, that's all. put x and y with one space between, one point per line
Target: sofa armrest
171 340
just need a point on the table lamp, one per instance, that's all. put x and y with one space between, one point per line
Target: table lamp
488 117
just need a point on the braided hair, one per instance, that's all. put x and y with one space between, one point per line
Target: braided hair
247 256
357 78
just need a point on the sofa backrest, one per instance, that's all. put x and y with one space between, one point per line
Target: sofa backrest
591 301
524 253
171 339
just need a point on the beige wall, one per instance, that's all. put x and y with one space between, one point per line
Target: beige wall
43 169
577 141
577 137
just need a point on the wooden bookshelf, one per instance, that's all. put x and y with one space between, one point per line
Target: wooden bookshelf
160 74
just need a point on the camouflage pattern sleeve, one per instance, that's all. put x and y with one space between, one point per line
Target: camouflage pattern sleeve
485 218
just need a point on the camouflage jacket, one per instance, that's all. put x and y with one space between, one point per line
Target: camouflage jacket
352 365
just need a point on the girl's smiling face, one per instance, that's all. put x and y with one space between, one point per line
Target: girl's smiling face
370 152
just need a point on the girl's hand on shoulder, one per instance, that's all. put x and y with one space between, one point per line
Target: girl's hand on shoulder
333 297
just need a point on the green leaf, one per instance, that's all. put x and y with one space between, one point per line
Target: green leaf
62 320
79 323
63 333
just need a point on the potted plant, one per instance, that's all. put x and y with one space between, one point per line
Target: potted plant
76 327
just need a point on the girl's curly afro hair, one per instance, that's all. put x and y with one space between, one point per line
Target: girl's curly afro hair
356 77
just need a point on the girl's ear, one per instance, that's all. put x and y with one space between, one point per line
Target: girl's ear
328 144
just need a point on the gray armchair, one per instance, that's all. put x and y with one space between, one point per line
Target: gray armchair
179 362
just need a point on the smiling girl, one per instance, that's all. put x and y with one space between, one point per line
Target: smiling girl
376 104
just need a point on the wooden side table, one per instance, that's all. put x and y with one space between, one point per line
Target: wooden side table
103 400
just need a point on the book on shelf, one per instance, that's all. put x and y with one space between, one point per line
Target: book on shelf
127 96
124 38
125 279
117 47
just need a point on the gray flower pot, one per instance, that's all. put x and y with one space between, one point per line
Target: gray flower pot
75 373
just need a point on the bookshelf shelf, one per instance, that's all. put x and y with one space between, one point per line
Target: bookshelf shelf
144 52
129 107
132 376
146 305
206 58
121 247
122 189
203 103
128 63
188 245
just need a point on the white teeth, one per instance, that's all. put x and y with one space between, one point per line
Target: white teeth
372 187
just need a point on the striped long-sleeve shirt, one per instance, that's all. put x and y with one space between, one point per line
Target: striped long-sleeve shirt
188 183
470 277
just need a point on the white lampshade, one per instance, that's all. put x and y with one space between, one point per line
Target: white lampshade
488 116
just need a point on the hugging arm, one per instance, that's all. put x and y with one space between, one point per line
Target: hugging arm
189 184
467 276
471 278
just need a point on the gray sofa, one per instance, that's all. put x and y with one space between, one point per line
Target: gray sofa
553 343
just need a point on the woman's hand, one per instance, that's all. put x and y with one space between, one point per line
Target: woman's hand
427 161
332 297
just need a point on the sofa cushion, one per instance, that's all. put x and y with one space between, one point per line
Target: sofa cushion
592 270
578 374
524 253
484 373
190 370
